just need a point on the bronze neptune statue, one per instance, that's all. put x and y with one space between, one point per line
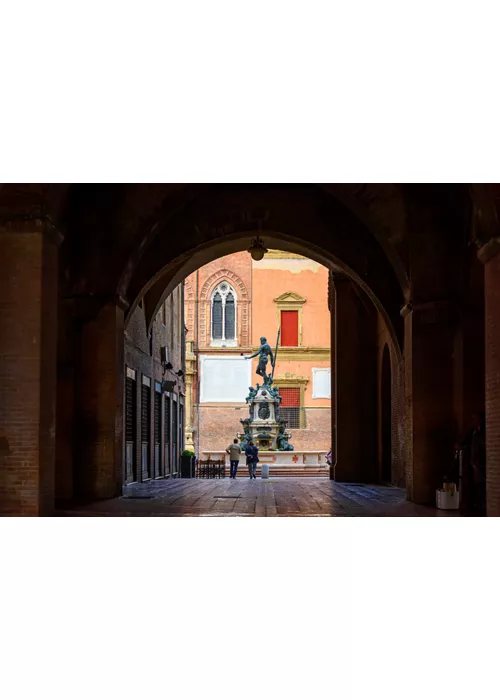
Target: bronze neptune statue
264 352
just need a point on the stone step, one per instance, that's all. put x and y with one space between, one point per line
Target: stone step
284 471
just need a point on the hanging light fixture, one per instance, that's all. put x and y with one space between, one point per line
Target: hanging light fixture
257 248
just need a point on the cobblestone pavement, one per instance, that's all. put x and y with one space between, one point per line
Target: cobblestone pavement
302 497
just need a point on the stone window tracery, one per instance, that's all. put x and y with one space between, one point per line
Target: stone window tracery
223 316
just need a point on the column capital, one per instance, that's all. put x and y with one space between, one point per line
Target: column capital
489 250
429 312
37 224
86 307
334 278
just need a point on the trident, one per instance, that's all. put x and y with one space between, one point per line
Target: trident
275 355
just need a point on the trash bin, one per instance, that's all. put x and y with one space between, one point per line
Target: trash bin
264 474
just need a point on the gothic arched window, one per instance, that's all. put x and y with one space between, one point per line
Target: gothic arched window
223 326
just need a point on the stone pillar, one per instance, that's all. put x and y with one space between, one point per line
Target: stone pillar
489 254
188 406
429 415
28 349
356 373
99 404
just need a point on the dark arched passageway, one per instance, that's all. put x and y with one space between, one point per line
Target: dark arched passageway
402 245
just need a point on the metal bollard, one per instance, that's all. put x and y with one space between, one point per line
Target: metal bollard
264 474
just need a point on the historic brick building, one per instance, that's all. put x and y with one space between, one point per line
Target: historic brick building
155 391
230 303
414 271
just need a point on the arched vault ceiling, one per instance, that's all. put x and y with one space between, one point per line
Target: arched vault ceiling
302 214
118 237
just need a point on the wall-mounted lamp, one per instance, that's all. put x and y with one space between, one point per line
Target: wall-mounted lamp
168 365
257 248
179 373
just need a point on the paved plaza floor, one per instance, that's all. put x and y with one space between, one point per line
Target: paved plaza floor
292 497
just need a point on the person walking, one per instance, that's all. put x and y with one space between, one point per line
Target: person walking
234 452
252 454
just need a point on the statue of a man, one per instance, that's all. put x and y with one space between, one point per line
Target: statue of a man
264 352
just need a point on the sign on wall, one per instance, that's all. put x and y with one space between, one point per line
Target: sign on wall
322 386
224 379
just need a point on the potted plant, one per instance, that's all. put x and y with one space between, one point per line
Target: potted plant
187 464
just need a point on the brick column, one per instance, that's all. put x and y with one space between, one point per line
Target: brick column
99 405
28 348
429 417
489 254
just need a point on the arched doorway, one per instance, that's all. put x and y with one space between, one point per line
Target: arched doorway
386 422
226 221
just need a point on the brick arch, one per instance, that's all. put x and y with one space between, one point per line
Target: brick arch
189 303
243 317
217 277
188 290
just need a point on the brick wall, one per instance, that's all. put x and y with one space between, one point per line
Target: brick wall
28 323
219 425
143 354
492 295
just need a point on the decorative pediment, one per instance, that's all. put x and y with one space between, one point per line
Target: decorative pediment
290 298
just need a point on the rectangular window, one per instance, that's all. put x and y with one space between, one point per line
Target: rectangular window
145 413
145 426
130 409
229 318
217 317
290 406
130 426
168 432
175 435
289 328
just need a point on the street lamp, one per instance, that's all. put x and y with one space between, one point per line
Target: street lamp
257 248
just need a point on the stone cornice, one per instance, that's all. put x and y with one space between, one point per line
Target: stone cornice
87 306
35 224
282 255
290 379
304 353
428 312
289 353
